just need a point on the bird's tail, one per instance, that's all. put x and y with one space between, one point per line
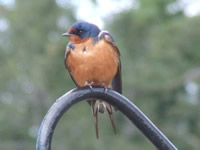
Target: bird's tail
100 106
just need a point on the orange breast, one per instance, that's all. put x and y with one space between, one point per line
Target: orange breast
93 62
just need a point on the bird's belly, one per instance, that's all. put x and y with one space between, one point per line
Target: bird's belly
93 66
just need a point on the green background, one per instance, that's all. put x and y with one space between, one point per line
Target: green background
160 55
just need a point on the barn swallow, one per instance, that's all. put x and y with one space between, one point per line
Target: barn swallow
92 58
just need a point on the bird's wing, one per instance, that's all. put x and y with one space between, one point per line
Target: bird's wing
69 47
117 80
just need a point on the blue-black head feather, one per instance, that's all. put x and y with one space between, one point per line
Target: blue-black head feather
84 29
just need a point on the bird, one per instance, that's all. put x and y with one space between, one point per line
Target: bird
93 59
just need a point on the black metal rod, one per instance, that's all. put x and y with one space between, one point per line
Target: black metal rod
124 105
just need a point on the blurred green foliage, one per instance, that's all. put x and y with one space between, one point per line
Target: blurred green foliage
160 59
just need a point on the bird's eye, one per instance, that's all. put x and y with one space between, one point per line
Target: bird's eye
80 31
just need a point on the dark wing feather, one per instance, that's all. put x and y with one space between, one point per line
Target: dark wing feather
117 80
69 47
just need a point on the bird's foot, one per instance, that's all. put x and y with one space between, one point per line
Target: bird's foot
89 84
105 87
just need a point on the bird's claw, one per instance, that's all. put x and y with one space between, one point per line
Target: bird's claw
105 87
89 85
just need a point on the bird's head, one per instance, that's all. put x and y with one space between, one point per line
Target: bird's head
81 31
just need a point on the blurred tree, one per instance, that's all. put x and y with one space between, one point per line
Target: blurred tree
31 53
158 50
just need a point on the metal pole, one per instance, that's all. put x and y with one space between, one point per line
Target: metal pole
124 105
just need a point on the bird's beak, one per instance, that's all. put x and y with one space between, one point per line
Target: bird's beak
67 34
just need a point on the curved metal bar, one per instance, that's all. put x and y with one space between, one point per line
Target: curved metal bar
124 105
